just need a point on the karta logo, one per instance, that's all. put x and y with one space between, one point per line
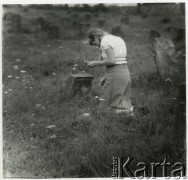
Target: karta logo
121 168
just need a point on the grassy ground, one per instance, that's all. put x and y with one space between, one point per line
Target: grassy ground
47 136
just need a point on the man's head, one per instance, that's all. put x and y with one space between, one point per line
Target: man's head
95 36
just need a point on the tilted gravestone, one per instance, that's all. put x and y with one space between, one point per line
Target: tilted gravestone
125 19
101 22
180 34
87 17
80 83
14 22
180 120
117 31
46 26
76 24
165 57
83 28
53 32
85 25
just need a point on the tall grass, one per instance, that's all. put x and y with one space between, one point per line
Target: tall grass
47 135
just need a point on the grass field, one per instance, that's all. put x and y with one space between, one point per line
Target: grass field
47 136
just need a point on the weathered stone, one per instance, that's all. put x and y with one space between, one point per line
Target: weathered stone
125 19
87 17
53 32
13 21
165 57
117 31
75 24
80 83
180 34
101 22
65 20
75 16
85 25
180 120
165 20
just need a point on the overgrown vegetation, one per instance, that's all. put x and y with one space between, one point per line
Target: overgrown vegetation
47 136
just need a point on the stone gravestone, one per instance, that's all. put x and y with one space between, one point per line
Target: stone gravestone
87 17
117 31
80 83
53 32
85 25
180 120
165 57
101 22
180 34
125 19
14 22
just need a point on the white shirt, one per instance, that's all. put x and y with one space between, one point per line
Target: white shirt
117 44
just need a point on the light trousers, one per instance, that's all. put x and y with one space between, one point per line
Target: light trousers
116 90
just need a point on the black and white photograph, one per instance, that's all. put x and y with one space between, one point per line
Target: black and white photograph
94 90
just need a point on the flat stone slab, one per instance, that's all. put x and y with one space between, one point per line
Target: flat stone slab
80 83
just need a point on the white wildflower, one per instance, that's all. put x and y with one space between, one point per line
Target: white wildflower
8 174
22 71
73 68
15 67
9 76
51 126
168 79
85 41
53 136
86 114
17 77
10 90
54 74
75 65
77 58
32 124
18 60
5 92
38 105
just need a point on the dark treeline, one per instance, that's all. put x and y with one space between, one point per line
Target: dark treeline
77 7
